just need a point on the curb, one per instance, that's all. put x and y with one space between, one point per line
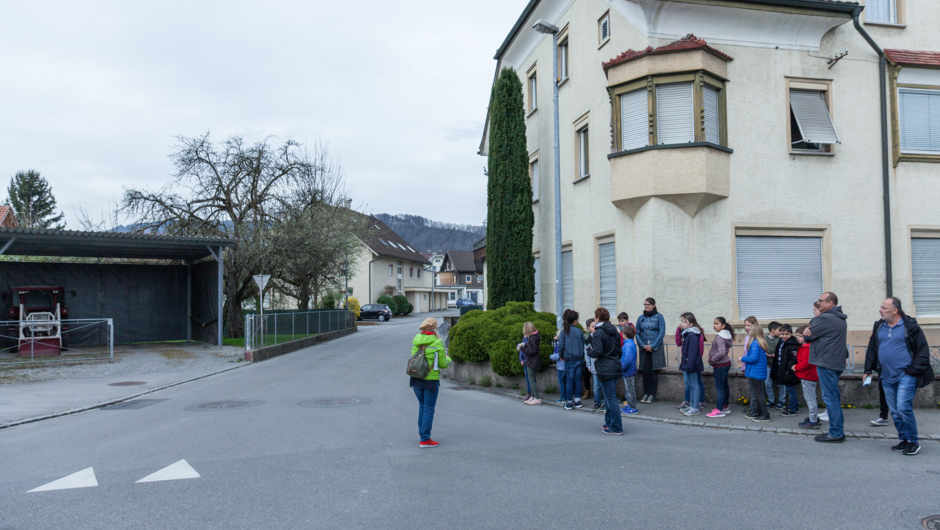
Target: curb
113 401
708 425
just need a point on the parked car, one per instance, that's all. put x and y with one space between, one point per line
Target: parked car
378 311
465 301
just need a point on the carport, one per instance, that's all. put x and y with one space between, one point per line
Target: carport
156 288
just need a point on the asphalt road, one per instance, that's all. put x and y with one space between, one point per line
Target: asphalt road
275 464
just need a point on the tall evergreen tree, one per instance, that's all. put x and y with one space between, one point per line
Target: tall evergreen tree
31 197
511 266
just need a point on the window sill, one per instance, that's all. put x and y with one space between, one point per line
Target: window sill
582 179
887 24
811 153
531 112
603 43
919 157
670 146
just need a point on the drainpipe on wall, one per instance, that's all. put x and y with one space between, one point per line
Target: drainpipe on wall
886 172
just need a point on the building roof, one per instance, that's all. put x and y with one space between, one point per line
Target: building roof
73 243
689 42
7 218
462 260
914 58
385 242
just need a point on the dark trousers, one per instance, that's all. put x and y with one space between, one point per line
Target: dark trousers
650 382
882 400
612 417
758 397
721 386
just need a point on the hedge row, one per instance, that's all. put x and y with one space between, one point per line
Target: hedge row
492 336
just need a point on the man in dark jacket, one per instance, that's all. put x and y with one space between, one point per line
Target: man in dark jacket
898 344
606 350
826 336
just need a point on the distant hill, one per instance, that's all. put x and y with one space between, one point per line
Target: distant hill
424 234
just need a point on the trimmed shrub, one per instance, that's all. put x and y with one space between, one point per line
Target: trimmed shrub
492 336
390 302
403 306
328 302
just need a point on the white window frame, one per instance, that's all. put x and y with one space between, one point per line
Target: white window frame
824 86
584 152
601 22
934 93
468 278
563 60
686 114
534 175
533 90
391 270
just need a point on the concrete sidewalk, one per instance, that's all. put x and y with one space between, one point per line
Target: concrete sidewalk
856 423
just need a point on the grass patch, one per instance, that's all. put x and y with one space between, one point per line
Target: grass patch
471 381
486 381
515 386
499 385
551 390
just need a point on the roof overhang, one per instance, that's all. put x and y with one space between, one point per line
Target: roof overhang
75 244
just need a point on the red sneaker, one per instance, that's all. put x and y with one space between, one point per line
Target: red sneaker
428 443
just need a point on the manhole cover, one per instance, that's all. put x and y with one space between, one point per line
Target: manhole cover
334 402
932 522
227 404
128 383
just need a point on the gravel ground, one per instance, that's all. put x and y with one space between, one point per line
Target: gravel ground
129 360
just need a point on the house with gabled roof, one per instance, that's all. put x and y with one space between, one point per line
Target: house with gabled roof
387 260
460 274
7 218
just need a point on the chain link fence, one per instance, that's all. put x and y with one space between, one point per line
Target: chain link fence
45 341
277 328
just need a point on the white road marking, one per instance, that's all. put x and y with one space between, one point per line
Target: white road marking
82 479
177 471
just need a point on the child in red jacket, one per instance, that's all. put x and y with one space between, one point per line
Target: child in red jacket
807 374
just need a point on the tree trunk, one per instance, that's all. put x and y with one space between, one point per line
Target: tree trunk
303 297
233 308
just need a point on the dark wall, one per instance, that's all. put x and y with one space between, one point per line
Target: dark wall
205 319
147 302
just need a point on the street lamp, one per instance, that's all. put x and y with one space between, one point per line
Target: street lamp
546 28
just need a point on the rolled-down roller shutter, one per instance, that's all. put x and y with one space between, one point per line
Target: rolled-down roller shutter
634 120
538 285
675 115
712 125
919 120
567 279
925 262
778 277
607 263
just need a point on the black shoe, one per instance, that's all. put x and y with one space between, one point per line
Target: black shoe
900 447
825 438
596 406
751 414
569 405
911 449
762 419
788 413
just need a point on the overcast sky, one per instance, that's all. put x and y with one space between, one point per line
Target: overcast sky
94 93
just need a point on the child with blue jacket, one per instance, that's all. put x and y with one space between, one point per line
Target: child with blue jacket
560 365
691 363
755 369
628 369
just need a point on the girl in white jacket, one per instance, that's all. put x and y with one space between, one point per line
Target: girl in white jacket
719 357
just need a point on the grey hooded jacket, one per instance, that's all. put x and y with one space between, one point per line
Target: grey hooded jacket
827 342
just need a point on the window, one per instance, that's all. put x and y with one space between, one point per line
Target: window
399 268
419 273
607 275
563 60
811 127
603 29
669 109
411 272
881 11
778 277
919 120
538 285
567 279
582 151
533 91
534 175
925 269
453 295
479 279
468 279
391 271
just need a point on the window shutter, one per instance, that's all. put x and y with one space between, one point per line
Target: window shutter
712 126
607 263
605 29
634 120
925 262
919 120
674 114
812 117
567 279
778 277
884 11
538 286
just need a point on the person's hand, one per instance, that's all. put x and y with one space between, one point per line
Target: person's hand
648 348
806 332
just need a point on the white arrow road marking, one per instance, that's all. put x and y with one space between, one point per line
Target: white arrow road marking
177 471
82 479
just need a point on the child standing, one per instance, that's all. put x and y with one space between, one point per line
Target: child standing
628 367
773 339
589 362
755 369
809 379
720 360
701 384
560 366
533 361
786 379
623 320
691 362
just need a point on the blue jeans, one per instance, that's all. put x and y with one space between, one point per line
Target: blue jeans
701 390
426 401
769 388
598 393
794 404
721 386
562 385
525 373
829 381
629 391
695 390
573 371
612 417
900 397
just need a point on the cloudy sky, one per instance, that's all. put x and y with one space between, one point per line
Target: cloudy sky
94 93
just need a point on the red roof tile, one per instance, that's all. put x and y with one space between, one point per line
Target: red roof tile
689 42
914 58
7 218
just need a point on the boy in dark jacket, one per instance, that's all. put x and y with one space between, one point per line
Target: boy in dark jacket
783 373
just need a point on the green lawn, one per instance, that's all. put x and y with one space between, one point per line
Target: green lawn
269 340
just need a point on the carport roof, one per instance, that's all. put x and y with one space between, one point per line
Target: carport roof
71 243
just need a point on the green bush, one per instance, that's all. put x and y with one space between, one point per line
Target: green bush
390 302
328 302
492 336
402 305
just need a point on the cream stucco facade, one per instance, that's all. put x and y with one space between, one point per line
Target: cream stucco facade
373 272
672 244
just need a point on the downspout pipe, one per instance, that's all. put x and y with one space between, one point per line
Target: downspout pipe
885 169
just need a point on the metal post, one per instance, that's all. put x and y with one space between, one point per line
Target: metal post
559 288
189 301
275 328
292 315
111 339
221 275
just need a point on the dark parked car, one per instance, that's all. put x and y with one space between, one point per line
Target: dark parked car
380 311
465 301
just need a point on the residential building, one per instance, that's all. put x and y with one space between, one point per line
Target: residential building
725 157
436 259
479 259
7 217
460 270
388 260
